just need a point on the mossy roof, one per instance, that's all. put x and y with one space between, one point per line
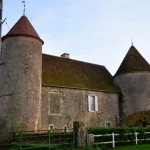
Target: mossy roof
64 72
133 62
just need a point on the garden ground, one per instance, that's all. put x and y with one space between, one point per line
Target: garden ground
136 147
133 147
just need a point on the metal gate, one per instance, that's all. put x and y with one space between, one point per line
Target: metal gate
39 140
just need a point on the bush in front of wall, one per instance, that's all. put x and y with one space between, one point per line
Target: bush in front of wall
139 119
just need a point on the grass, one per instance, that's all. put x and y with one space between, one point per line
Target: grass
136 147
40 146
132 147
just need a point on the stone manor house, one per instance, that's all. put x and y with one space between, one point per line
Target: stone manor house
40 91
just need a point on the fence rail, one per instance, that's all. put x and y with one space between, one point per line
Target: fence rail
51 139
113 140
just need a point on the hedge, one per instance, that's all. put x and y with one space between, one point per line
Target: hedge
122 139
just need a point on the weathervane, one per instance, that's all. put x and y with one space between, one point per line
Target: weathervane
24 5
131 41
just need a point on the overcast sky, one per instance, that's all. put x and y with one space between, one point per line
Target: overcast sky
95 31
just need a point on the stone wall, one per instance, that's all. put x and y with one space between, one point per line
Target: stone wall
62 106
20 97
135 89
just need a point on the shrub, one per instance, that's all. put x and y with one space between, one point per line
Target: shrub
138 119
123 138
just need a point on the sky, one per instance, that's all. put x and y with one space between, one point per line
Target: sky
94 31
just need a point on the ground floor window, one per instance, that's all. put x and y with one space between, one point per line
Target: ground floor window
108 125
51 127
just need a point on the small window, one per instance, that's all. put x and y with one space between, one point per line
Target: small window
51 127
65 129
93 103
108 125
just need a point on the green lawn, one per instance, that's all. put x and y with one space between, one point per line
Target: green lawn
133 147
137 147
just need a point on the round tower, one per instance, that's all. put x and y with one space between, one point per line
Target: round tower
20 97
133 80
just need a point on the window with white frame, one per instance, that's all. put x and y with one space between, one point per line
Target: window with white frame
92 103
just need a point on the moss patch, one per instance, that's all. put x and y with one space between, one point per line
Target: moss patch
64 72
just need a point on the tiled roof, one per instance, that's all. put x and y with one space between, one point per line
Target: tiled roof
133 62
23 27
64 72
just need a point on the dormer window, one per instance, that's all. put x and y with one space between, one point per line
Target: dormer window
92 103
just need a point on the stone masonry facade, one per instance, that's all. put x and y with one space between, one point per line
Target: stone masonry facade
62 106
135 88
20 97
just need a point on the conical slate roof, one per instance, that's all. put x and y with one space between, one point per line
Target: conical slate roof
133 62
23 27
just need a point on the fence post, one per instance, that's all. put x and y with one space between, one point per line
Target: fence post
79 134
49 139
90 139
136 140
21 140
113 140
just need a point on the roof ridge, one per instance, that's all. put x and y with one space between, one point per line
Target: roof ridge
74 60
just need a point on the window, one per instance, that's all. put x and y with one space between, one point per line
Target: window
54 103
65 129
108 125
51 127
93 103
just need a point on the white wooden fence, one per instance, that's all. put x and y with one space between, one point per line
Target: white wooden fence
91 139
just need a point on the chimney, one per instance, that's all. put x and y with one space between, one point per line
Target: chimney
65 55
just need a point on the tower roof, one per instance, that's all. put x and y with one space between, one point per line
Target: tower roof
133 62
23 27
